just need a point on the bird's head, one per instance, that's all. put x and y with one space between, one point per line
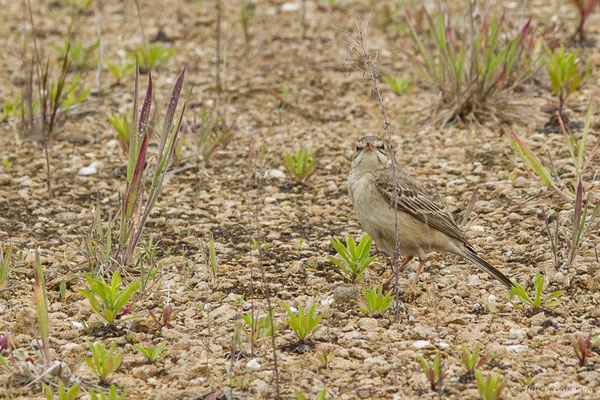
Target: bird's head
371 153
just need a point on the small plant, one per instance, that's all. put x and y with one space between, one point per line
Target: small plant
354 259
322 395
41 306
102 362
211 263
549 301
490 388
257 328
122 124
242 384
5 263
476 70
435 373
112 394
121 69
582 347
152 354
108 301
80 6
4 341
153 54
325 356
376 302
165 317
62 394
398 85
585 8
72 94
300 165
11 107
472 361
246 10
81 57
565 74
302 324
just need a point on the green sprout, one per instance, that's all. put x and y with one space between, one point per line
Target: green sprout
102 362
108 301
354 259
550 300
398 85
376 302
300 165
302 324
152 353
491 388
435 373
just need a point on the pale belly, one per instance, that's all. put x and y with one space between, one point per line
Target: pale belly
376 216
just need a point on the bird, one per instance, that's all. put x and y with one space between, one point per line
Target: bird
423 226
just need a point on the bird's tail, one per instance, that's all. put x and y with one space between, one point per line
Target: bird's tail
472 256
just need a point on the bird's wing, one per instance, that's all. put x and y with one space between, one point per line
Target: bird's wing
414 200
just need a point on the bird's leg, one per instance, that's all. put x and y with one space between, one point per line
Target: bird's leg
387 284
419 269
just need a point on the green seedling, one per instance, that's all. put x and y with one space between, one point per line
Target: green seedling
354 259
62 394
582 347
5 264
322 395
257 328
490 388
112 394
211 263
550 300
376 303
152 354
108 301
435 372
11 107
472 361
102 362
122 124
153 54
325 357
398 85
81 57
121 69
300 166
565 73
302 324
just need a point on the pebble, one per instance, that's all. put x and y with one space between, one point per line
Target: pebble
345 295
517 348
421 344
253 365
275 174
517 333
289 7
89 170
5 179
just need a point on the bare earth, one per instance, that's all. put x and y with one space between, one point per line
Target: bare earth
327 109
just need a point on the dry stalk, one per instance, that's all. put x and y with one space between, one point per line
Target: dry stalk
218 48
357 43
266 289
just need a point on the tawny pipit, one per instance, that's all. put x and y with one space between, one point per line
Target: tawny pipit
423 226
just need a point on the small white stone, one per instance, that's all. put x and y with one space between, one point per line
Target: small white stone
275 174
76 325
508 253
473 280
443 345
477 228
492 298
421 344
89 170
327 302
290 7
517 348
516 333
270 200
253 365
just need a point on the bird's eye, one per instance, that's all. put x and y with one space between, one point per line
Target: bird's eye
380 145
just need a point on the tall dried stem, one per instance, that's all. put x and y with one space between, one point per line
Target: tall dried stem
357 43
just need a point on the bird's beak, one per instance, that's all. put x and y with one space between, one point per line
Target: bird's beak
368 147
